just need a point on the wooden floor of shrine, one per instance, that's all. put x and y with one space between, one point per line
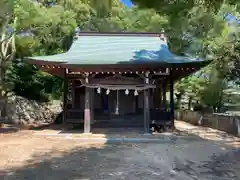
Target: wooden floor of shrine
120 121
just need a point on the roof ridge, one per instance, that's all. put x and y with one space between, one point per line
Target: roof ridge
144 34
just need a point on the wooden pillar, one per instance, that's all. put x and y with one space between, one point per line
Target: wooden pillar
117 103
65 94
158 97
92 95
136 104
73 94
146 106
172 98
87 110
155 97
164 98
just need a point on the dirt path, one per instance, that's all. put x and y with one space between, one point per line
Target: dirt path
209 154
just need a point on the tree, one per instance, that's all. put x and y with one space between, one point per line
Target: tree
188 20
174 8
213 93
228 58
220 45
191 87
205 88
42 29
7 47
234 72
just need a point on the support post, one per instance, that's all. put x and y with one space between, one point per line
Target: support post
65 93
164 98
146 106
73 94
158 97
87 111
92 95
117 104
136 104
172 99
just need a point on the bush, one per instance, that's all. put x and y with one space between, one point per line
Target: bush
32 84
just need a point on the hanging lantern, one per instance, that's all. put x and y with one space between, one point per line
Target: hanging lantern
99 90
135 93
127 92
108 91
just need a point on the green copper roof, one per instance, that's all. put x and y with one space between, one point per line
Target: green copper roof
100 49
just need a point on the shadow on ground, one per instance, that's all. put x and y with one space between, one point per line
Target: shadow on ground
122 161
175 159
219 167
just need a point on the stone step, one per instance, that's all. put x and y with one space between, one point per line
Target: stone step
119 124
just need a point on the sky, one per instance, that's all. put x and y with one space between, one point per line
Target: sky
232 19
127 2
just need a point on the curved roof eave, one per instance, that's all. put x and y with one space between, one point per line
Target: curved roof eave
102 49
58 58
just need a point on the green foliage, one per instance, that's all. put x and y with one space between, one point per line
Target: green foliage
27 82
48 25
229 60
204 89
41 30
191 21
213 93
219 44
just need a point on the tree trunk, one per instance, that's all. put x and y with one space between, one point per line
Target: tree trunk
2 93
189 103
7 53
179 98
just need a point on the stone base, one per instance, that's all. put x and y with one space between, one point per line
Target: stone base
87 134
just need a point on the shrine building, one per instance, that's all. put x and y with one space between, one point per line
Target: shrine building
118 77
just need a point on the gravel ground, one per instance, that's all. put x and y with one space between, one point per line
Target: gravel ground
209 154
